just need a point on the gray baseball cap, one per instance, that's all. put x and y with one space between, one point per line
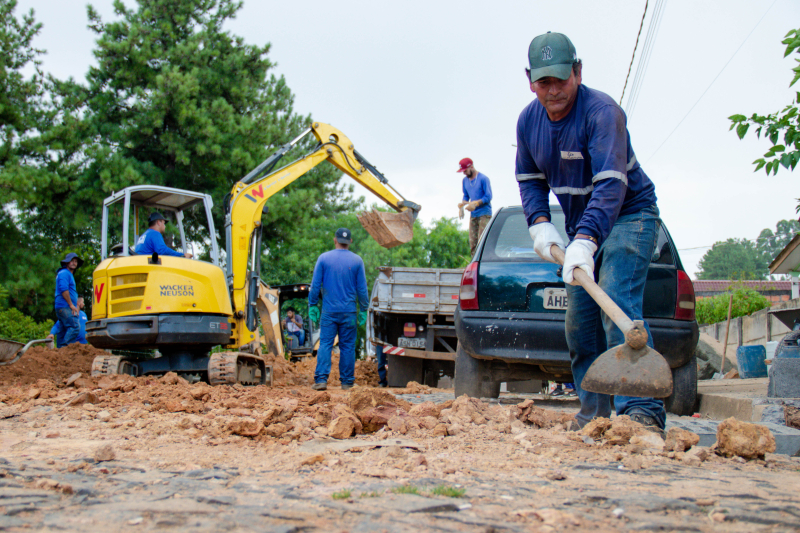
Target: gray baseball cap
551 54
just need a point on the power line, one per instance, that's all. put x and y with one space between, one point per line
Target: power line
644 60
712 82
635 46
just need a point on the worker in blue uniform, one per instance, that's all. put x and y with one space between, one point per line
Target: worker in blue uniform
152 240
340 280
573 141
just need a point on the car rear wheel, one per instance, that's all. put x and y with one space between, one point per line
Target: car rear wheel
403 369
472 377
684 389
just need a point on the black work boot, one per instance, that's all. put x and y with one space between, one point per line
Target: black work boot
649 423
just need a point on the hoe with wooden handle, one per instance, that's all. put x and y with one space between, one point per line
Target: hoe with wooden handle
632 369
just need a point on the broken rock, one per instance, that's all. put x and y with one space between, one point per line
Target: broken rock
104 453
743 439
680 440
341 427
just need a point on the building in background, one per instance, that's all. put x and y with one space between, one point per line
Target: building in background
774 291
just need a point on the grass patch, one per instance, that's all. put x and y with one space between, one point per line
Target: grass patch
450 492
342 494
406 489
372 494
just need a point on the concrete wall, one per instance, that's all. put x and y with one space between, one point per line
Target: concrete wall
757 328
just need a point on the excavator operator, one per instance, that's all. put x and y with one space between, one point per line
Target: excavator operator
152 239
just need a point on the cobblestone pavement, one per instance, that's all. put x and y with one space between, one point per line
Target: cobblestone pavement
531 481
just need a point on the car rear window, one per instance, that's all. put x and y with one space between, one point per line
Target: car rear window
509 239
662 255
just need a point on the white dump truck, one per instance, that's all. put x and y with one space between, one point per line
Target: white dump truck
411 318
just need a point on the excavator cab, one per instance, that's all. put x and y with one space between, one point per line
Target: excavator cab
177 306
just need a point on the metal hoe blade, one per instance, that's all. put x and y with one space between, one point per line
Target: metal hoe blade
388 229
625 371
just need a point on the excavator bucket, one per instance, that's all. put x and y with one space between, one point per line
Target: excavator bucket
388 229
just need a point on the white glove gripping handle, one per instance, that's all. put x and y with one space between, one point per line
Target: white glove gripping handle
579 254
544 236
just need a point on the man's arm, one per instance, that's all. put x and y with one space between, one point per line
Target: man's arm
487 191
464 190
361 287
533 188
62 287
608 149
316 284
160 246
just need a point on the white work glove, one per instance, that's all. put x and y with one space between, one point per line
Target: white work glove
579 254
544 235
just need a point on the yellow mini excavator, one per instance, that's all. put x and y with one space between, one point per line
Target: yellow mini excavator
183 308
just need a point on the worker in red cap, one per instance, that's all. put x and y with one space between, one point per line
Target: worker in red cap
477 199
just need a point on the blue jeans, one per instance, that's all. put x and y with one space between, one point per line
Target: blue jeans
344 325
621 267
70 325
381 364
301 336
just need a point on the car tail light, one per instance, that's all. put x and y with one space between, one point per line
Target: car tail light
684 306
468 295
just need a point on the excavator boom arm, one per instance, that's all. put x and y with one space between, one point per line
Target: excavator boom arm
249 196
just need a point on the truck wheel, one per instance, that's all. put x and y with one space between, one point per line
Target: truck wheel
403 369
684 389
472 377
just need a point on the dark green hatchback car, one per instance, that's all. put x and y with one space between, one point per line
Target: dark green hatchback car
510 317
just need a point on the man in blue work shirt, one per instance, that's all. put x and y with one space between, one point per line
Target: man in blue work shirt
477 199
58 330
573 141
152 240
66 293
339 277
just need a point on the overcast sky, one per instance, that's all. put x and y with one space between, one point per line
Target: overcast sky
417 85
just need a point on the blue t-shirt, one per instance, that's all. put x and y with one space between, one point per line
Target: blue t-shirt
58 329
339 278
478 188
586 159
65 281
152 241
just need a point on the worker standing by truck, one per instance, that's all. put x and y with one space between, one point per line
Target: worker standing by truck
477 200
66 293
340 279
574 141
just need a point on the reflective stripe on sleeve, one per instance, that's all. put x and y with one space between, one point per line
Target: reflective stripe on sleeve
528 177
572 190
631 163
610 174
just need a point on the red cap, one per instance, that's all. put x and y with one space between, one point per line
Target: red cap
464 164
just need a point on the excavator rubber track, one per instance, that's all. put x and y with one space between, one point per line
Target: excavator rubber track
107 365
229 368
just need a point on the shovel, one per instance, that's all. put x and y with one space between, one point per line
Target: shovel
632 369
389 229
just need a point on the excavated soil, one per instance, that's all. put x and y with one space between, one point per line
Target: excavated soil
59 364
56 365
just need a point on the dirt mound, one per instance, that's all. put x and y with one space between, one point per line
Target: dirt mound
56 365
366 371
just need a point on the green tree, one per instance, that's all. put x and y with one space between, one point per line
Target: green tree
783 123
745 302
176 100
732 259
769 244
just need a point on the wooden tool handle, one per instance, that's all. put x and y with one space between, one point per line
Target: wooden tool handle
606 304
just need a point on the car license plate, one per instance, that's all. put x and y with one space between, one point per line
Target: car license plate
406 342
555 298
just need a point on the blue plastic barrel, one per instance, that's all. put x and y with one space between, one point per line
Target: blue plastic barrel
751 361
